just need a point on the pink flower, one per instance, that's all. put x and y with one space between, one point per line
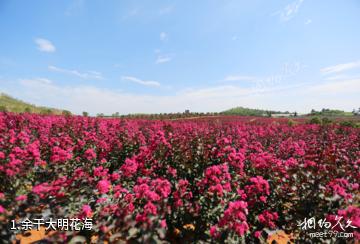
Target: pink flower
130 167
100 171
86 211
340 186
268 219
352 213
101 200
257 234
41 189
103 186
2 209
217 189
150 208
214 232
40 163
90 154
263 199
241 228
115 176
130 207
216 179
141 218
152 196
162 187
241 194
258 189
21 198
163 223
172 171
235 217
60 155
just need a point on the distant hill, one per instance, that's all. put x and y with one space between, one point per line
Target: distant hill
251 112
10 104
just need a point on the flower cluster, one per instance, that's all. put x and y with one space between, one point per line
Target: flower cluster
228 179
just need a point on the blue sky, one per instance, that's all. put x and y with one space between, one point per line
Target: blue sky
168 56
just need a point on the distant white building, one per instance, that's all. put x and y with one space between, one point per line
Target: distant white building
283 115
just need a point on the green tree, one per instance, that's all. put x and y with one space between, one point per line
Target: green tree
66 113
326 121
3 108
46 111
27 110
315 120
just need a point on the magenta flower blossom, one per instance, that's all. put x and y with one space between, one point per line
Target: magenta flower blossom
103 186
268 218
235 218
90 154
150 208
21 198
2 209
129 168
86 211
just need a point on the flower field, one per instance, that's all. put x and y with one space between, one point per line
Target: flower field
223 179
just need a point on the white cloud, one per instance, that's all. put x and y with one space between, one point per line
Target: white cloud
141 82
163 59
289 11
218 92
340 68
337 77
308 21
239 78
83 75
338 86
45 45
164 36
36 81
78 98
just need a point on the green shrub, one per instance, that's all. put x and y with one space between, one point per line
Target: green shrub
326 121
291 122
3 108
315 120
27 110
66 113
348 123
46 111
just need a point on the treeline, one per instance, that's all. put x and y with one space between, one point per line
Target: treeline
159 115
251 112
333 112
